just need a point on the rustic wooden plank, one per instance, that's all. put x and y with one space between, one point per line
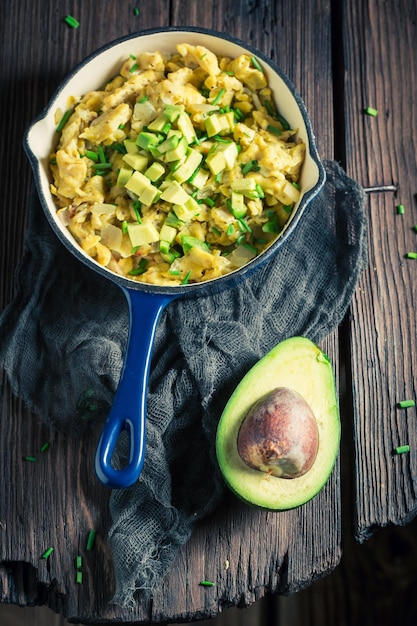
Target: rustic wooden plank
381 70
249 552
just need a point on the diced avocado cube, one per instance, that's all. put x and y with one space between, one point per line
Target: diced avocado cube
245 186
172 111
146 140
216 162
178 152
187 210
188 242
141 234
155 171
168 233
213 125
130 145
175 193
185 125
149 195
158 125
238 205
192 161
228 122
230 153
136 160
137 183
124 174
199 180
169 143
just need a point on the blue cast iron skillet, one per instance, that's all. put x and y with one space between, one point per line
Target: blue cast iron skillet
146 302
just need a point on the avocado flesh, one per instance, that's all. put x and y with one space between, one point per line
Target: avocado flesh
297 364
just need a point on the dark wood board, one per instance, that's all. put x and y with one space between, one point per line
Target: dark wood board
381 72
248 552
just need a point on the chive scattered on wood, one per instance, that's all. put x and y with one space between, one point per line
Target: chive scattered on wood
400 209
405 404
256 64
91 540
71 21
45 446
64 120
136 11
402 449
371 111
79 578
47 553
31 459
207 583
411 255
79 561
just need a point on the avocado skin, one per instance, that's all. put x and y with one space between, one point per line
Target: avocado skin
299 364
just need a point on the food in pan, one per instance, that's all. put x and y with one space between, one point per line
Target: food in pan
278 437
180 170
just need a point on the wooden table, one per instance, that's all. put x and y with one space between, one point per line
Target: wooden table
342 56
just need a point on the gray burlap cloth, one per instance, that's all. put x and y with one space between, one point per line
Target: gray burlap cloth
62 341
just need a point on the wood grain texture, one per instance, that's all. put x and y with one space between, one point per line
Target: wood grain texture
249 553
381 71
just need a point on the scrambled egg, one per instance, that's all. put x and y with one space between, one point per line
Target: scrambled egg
179 170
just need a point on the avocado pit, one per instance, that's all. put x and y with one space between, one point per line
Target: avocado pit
279 435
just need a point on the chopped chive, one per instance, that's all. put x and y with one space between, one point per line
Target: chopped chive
136 11
285 125
186 278
91 539
250 166
143 99
71 21
219 96
405 404
259 191
296 185
216 231
402 449
92 155
124 227
400 209
79 562
101 166
45 446
31 459
256 64
268 107
174 272
136 208
250 247
230 230
209 201
63 121
207 583
244 226
101 154
79 578
411 255
273 129
47 553
415 228
140 269
370 111
134 68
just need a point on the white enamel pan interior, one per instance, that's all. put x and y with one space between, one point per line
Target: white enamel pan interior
146 302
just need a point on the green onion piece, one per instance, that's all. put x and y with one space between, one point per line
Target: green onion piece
255 64
405 404
79 561
71 21
411 255
209 201
136 11
259 191
91 539
101 154
249 166
216 231
400 209
415 228
230 230
101 166
402 449
268 107
175 272
186 279
30 458
219 96
63 121
79 578
207 583
136 208
47 553
92 155
140 269
45 446
285 125
143 99
119 147
133 68
124 227
296 185
244 226
371 111
250 247
273 129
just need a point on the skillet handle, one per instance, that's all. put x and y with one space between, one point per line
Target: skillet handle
128 411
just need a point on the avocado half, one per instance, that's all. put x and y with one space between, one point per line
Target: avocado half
299 365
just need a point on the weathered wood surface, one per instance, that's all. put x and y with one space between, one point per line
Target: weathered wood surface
381 71
342 57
